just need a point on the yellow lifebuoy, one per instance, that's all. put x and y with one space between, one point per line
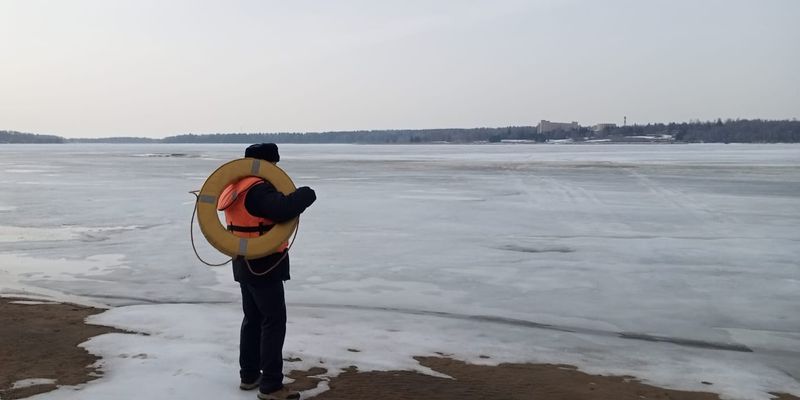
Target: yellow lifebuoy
224 240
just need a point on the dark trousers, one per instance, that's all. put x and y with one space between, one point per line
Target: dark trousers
262 334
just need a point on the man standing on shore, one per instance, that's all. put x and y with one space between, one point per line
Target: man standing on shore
252 206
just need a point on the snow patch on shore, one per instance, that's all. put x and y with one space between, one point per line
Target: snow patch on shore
32 382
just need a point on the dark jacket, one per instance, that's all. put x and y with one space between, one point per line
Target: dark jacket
263 200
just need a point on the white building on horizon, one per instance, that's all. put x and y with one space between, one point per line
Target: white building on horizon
601 127
547 126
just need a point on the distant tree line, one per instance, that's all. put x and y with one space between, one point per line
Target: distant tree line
121 139
730 131
719 131
371 137
19 137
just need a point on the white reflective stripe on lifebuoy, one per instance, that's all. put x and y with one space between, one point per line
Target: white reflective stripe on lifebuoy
208 218
207 199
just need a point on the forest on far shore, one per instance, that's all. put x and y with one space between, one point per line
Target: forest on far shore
719 131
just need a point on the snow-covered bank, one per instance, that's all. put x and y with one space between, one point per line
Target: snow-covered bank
191 351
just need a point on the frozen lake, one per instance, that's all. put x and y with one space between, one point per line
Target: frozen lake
668 262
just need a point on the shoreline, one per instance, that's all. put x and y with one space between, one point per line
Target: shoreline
32 363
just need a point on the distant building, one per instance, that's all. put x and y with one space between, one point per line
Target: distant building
602 127
547 126
517 141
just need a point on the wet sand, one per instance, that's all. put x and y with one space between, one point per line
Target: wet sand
28 351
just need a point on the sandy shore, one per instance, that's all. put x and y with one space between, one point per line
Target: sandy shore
28 351
40 341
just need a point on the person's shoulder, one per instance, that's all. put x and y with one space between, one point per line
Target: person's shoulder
263 186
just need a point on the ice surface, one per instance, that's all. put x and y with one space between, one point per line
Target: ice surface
519 252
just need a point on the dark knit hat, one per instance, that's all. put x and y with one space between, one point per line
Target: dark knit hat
263 151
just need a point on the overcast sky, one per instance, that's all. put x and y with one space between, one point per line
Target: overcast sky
96 68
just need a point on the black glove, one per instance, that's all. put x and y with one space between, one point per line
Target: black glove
305 195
